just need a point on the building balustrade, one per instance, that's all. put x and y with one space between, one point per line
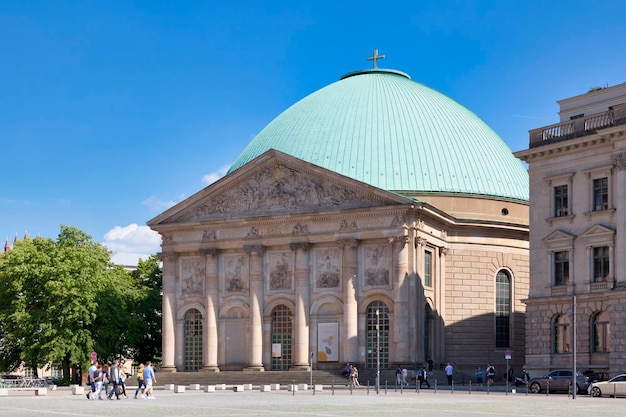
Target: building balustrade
578 127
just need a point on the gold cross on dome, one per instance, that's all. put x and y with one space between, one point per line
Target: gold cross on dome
375 57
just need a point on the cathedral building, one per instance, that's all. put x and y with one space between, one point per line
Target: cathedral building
376 221
577 170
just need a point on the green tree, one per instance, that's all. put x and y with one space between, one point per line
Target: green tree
147 314
50 296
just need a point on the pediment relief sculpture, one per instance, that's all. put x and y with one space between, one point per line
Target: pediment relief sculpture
280 188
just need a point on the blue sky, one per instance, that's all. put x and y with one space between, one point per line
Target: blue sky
111 112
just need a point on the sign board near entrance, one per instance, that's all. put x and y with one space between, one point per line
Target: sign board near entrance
507 355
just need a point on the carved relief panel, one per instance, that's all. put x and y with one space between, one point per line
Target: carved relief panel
235 278
327 268
377 261
192 276
281 270
277 188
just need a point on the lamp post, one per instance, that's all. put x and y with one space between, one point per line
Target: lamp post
377 352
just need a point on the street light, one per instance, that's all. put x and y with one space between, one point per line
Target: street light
377 352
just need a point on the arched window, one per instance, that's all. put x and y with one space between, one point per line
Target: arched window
377 335
600 332
561 334
193 340
503 309
282 345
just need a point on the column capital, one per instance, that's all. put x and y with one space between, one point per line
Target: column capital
400 240
305 246
209 251
254 249
351 243
444 251
168 256
619 161
420 241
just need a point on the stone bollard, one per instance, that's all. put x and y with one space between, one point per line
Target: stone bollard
247 387
178 389
169 387
303 387
220 387
209 388
41 391
265 388
76 390
318 388
292 387
4 392
237 388
275 387
194 387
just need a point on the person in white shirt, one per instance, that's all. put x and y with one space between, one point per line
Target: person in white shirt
449 372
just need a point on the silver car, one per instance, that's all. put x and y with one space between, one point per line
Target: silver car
559 380
614 387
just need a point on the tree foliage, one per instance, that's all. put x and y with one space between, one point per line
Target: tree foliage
60 300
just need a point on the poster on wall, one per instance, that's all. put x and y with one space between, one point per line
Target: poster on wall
277 350
328 342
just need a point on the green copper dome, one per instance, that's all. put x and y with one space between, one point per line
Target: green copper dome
380 127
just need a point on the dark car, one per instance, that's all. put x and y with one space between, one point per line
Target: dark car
559 381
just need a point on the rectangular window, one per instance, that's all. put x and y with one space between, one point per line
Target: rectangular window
561 335
561 268
428 268
601 335
601 194
601 264
560 201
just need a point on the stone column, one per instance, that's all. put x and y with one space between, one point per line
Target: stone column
169 260
210 337
255 362
350 332
619 202
303 305
400 293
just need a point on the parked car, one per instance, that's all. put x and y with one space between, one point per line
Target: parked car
615 386
559 380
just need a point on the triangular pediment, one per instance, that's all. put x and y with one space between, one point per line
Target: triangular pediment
277 183
558 238
597 230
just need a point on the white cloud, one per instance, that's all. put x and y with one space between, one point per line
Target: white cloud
132 242
156 204
209 179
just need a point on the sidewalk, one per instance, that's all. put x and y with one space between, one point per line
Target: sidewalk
443 402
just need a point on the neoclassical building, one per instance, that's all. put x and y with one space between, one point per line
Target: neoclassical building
577 171
375 212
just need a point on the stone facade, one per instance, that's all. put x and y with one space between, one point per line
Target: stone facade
281 259
577 236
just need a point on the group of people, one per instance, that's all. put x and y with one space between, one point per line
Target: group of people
101 376
491 375
352 373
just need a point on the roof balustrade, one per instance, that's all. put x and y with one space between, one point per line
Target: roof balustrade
578 127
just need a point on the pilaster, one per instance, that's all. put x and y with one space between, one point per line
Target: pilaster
170 262
255 362
210 340
303 291
350 334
